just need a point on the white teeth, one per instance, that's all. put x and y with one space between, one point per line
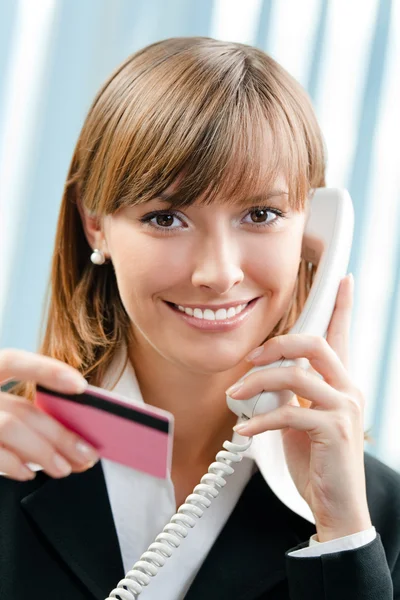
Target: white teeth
220 314
210 315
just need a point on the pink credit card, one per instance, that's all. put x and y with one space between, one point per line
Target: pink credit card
134 434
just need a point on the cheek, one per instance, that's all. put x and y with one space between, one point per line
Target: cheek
275 265
144 267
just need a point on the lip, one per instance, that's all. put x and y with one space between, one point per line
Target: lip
217 326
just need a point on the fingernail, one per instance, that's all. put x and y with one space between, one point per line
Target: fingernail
240 427
351 277
254 353
234 388
87 453
79 383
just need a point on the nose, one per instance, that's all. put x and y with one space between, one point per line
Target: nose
218 264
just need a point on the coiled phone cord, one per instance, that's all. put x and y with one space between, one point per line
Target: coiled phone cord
178 527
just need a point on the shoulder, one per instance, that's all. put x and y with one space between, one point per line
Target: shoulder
382 482
383 496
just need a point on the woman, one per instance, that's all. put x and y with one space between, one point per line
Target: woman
188 189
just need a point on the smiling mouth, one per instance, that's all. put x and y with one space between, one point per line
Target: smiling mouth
209 314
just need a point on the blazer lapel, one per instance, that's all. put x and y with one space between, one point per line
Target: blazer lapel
248 558
74 515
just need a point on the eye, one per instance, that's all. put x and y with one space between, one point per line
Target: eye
259 216
163 219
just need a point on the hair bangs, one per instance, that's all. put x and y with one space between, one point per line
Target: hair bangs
255 154
243 147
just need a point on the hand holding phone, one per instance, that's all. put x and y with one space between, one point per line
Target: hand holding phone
323 444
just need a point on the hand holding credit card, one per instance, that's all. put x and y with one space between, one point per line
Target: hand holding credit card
137 435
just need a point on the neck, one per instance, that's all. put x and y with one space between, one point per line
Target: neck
203 420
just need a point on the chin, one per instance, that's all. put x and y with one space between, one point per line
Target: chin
214 362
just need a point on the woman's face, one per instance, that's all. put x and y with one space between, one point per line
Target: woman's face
215 257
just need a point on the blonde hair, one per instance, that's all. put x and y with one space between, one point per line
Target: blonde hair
194 105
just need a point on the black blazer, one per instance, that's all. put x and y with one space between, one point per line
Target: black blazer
58 542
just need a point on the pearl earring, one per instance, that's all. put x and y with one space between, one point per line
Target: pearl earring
97 257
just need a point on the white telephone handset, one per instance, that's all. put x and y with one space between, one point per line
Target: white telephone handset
327 244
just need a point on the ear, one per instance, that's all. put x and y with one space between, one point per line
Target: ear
93 228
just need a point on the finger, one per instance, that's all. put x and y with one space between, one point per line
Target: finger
71 446
13 467
338 333
316 349
49 372
29 446
295 379
294 417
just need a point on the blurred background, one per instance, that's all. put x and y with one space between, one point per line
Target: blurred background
54 55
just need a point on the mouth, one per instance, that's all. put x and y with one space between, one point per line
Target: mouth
221 319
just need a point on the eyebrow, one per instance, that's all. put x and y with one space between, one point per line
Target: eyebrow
259 198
